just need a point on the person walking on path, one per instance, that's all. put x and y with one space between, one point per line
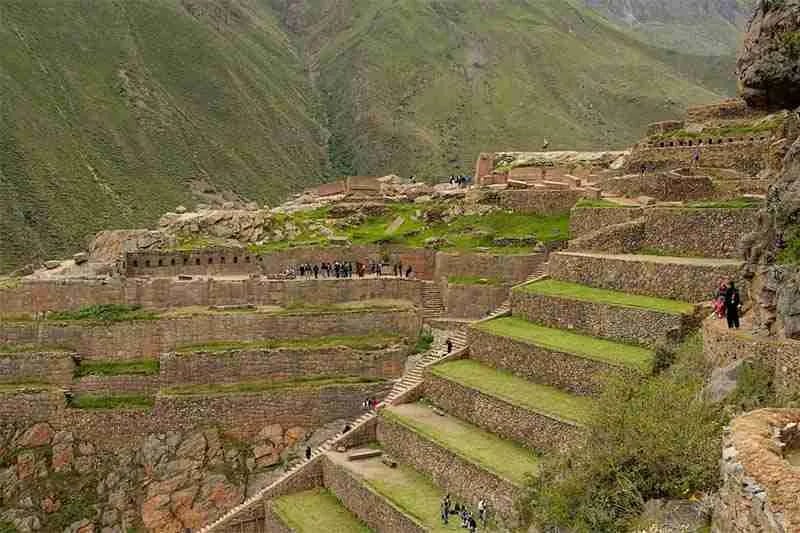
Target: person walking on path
450 348
482 511
308 452
733 303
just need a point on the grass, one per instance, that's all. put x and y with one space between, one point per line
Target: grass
263 386
143 367
743 202
363 342
563 289
474 280
104 313
29 386
503 457
517 391
298 308
587 202
317 510
112 401
424 342
28 348
565 341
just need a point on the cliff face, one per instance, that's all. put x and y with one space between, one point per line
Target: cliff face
769 64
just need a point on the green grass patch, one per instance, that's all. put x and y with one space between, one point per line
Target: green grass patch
105 313
503 457
10 283
743 202
564 289
27 386
790 254
30 348
302 308
614 353
263 386
112 401
601 203
363 342
474 280
517 391
317 510
424 342
141 367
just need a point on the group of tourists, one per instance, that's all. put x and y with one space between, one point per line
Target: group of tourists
727 303
462 513
460 181
346 269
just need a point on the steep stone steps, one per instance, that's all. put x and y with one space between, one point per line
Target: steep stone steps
432 305
313 511
689 279
388 499
541 417
460 457
624 317
559 358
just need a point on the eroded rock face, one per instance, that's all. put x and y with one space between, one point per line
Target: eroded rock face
769 64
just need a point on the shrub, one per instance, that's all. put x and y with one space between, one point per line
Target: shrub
105 312
424 341
650 438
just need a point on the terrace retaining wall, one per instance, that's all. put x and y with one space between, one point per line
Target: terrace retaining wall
148 338
236 366
472 301
626 324
56 368
508 268
539 432
575 374
453 473
584 220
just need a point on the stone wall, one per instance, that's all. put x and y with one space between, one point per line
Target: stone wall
35 296
666 187
539 201
472 301
584 220
743 155
578 375
542 433
125 384
622 238
508 268
698 232
676 279
54 368
148 338
466 480
722 347
734 108
240 415
626 324
759 487
374 510
237 366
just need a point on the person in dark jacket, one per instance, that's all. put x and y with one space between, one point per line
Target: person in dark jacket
733 303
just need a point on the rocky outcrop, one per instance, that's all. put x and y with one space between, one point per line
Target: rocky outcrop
776 282
769 64
55 481
236 224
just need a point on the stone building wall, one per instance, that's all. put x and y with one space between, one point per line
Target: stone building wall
148 338
675 280
54 368
35 296
622 238
584 220
472 301
625 324
237 366
374 510
578 375
760 488
665 187
508 268
35 404
455 474
539 432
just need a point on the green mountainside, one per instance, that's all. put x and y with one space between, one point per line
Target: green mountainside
115 111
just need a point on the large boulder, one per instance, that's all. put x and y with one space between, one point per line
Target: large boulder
769 63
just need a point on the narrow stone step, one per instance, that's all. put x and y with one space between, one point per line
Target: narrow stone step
359 455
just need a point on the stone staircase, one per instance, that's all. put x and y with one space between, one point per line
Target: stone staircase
409 380
432 306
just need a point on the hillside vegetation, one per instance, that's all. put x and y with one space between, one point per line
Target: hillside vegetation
114 112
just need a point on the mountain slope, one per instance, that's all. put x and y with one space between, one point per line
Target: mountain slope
421 86
112 111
